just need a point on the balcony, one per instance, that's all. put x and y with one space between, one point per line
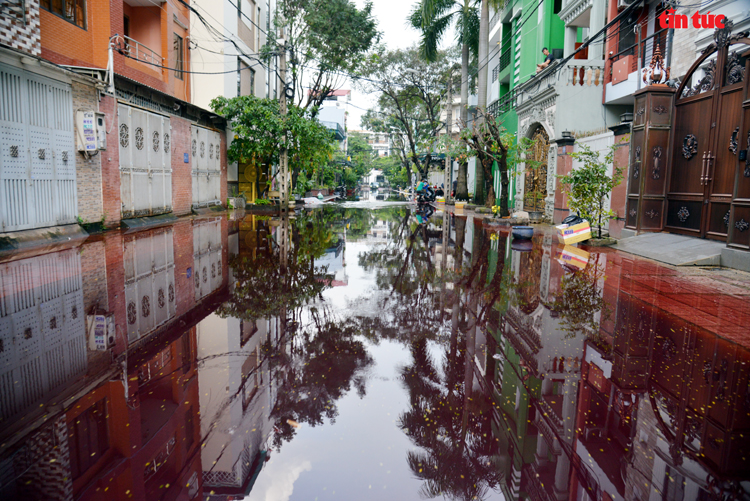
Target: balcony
622 78
135 50
336 128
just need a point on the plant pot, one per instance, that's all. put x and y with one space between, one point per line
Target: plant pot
536 216
523 232
522 245
460 205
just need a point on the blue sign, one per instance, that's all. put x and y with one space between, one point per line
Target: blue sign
189 270
186 159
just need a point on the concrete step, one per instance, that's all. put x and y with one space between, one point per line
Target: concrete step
677 250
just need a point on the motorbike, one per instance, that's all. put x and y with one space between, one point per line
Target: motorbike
426 196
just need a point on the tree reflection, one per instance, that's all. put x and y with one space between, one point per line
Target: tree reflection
580 302
325 362
405 268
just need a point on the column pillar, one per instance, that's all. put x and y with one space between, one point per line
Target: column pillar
571 34
596 23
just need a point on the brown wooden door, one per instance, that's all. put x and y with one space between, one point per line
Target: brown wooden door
706 142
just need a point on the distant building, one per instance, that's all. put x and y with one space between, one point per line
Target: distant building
379 141
333 114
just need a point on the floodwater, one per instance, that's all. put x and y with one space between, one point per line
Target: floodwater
351 353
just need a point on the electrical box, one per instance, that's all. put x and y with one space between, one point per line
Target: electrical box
101 132
101 331
86 131
91 131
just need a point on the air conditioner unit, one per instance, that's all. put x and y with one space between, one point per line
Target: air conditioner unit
621 4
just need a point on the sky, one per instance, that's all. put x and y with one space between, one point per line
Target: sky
391 16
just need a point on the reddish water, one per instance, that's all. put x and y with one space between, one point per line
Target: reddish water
368 357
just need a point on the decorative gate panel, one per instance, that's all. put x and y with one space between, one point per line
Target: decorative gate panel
149 281
207 257
37 156
706 185
535 185
145 162
206 166
42 330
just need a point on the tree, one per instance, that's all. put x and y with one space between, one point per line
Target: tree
261 132
410 92
589 185
483 67
328 39
433 18
490 142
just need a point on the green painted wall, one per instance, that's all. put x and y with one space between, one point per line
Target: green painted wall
539 27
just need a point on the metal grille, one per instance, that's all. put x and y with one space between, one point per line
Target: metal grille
149 267
145 168
37 186
43 337
207 257
206 169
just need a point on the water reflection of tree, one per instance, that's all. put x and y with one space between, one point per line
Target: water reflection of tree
580 302
325 362
405 268
455 456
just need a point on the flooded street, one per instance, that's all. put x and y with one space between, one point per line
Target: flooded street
350 352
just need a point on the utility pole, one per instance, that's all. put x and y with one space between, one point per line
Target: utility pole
284 159
448 175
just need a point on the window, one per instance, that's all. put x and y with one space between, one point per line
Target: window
88 438
126 26
245 79
178 62
73 11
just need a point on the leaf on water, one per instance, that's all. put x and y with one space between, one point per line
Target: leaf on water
292 423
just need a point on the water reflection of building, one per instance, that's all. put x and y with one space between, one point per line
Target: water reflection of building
122 422
42 329
236 399
237 393
650 405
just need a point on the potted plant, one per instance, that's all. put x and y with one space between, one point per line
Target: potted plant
589 186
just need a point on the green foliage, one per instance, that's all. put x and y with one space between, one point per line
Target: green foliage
490 143
262 201
327 39
434 19
410 98
261 133
589 186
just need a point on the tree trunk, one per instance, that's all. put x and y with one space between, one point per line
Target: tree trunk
462 191
484 28
504 185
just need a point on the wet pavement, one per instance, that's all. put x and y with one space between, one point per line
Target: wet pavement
352 353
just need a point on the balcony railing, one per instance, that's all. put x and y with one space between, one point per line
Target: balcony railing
136 50
643 50
336 128
495 72
504 59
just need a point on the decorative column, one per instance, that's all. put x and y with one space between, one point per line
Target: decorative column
565 145
649 150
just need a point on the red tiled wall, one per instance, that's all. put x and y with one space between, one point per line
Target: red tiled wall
182 188
619 193
183 259
564 166
111 164
116 287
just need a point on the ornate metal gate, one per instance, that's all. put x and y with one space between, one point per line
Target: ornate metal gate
709 192
145 162
535 185
37 153
206 166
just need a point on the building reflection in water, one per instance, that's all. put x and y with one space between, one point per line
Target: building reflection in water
171 363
